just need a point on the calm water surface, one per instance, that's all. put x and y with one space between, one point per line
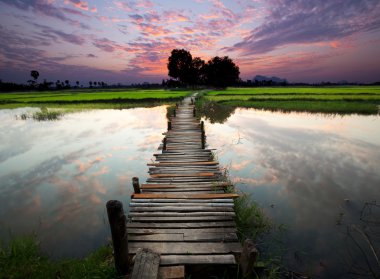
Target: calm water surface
312 173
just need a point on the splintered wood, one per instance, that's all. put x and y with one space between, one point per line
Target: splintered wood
183 212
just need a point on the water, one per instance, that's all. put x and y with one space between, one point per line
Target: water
311 172
56 176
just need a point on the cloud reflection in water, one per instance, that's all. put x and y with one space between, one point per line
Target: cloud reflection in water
57 176
304 166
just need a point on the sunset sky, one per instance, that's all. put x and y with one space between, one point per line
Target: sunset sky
130 41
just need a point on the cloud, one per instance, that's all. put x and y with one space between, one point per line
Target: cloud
294 22
90 55
49 32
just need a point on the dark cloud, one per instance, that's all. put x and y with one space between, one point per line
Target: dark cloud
54 34
105 44
290 22
90 55
46 8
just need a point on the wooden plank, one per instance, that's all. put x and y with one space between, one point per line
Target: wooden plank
186 248
186 196
171 272
174 237
182 201
224 237
185 232
201 174
159 204
180 214
181 218
146 264
198 259
181 225
181 208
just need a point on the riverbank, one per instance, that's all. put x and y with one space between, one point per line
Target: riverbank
91 98
337 99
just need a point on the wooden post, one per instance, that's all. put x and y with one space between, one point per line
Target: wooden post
192 101
136 185
119 234
194 111
202 126
174 113
169 125
164 145
248 257
203 140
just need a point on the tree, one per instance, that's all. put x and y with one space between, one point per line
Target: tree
180 65
221 72
198 70
34 74
90 83
77 83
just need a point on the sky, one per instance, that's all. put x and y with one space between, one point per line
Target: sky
127 42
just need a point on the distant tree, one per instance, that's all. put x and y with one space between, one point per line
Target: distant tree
34 74
180 65
198 70
90 83
221 72
95 83
77 83
58 84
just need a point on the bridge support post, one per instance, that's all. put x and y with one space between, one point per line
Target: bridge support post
136 185
164 145
194 112
169 125
119 235
248 257
174 113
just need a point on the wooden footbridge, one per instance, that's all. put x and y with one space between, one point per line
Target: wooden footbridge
182 217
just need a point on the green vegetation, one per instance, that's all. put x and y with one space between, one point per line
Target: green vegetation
22 258
75 97
339 99
43 114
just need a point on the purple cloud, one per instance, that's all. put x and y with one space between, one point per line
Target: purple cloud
54 34
46 8
292 22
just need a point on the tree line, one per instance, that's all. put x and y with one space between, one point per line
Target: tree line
188 71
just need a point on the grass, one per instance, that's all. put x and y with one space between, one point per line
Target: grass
91 96
22 258
338 99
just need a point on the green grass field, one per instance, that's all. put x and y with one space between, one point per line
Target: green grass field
339 99
90 96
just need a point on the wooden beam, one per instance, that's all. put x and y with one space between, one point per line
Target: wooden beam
185 196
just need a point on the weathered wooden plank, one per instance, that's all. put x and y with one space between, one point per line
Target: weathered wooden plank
146 264
182 201
185 232
181 225
186 248
174 237
198 259
225 237
180 214
160 204
186 196
181 219
180 208
171 272
183 174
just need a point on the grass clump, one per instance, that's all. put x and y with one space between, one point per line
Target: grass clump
251 220
43 115
22 258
